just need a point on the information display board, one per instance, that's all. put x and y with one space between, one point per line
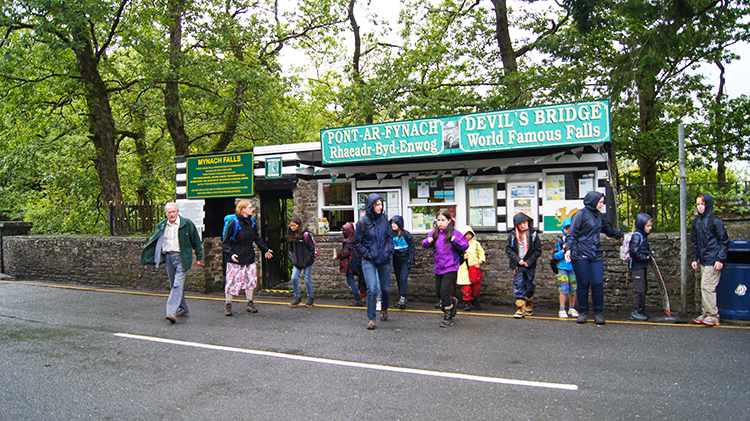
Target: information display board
226 175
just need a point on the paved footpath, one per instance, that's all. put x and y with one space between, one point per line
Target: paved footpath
70 352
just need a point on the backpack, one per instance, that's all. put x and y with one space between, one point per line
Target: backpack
227 220
625 247
315 245
552 261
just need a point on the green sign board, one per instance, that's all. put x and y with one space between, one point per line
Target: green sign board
229 175
580 123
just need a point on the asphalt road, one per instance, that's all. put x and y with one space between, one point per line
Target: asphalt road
71 353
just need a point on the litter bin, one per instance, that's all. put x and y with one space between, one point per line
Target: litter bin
732 295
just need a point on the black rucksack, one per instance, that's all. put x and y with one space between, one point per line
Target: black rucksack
552 261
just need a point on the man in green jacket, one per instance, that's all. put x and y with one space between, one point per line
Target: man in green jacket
173 243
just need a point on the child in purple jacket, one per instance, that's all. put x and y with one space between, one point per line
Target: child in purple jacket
450 246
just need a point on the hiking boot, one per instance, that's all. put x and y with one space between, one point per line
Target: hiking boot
529 310
251 307
599 319
637 316
310 302
572 312
520 311
401 302
562 314
384 316
454 307
447 319
698 320
476 304
710 321
227 309
296 302
582 318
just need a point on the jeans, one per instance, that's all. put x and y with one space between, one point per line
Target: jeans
523 283
353 285
308 280
176 300
374 275
590 274
401 270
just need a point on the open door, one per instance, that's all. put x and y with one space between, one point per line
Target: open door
276 209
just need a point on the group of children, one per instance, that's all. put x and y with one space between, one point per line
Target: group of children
458 259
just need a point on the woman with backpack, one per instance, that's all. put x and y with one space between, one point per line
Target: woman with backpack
584 250
302 255
239 235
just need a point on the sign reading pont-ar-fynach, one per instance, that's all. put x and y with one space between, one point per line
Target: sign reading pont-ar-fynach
524 128
229 175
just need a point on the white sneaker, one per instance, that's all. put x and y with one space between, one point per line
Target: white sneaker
562 314
377 306
573 312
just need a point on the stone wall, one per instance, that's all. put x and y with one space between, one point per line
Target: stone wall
115 261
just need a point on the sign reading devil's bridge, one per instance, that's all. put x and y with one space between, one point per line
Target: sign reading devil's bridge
572 124
226 175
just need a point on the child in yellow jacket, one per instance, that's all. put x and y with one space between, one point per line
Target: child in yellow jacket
470 272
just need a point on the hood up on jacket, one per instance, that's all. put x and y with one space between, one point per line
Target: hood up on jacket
399 220
520 217
348 232
640 222
592 199
467 229
566 223
371 199
709 201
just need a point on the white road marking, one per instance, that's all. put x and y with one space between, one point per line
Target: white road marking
356 364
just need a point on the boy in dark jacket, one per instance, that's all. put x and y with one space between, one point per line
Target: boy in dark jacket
710 248
640 259
523 249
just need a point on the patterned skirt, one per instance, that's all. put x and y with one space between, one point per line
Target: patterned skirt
240 277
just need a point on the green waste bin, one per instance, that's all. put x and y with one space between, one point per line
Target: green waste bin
732 295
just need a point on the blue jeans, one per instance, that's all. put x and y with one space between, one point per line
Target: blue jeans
308 280
375 275
523 283
590 274
176 300
401 270
353 285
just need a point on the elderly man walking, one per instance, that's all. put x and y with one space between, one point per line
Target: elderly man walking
173 242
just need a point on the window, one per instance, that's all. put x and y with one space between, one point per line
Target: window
482 204
427 198
337 208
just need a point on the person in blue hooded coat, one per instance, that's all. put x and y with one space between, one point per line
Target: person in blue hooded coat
586 253
403 257
373 242
710 243
565 274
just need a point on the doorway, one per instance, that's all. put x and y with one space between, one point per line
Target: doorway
276 210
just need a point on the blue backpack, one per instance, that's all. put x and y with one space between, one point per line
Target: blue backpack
237 227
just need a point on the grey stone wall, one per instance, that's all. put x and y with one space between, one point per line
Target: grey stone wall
115 261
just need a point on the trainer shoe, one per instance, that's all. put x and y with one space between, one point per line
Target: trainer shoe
582 318
310 302
562 314
710 321
637 316
171 319
251 307
401 302
296 302
447 320
599 319
698 320
572 312
181 313
227 309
